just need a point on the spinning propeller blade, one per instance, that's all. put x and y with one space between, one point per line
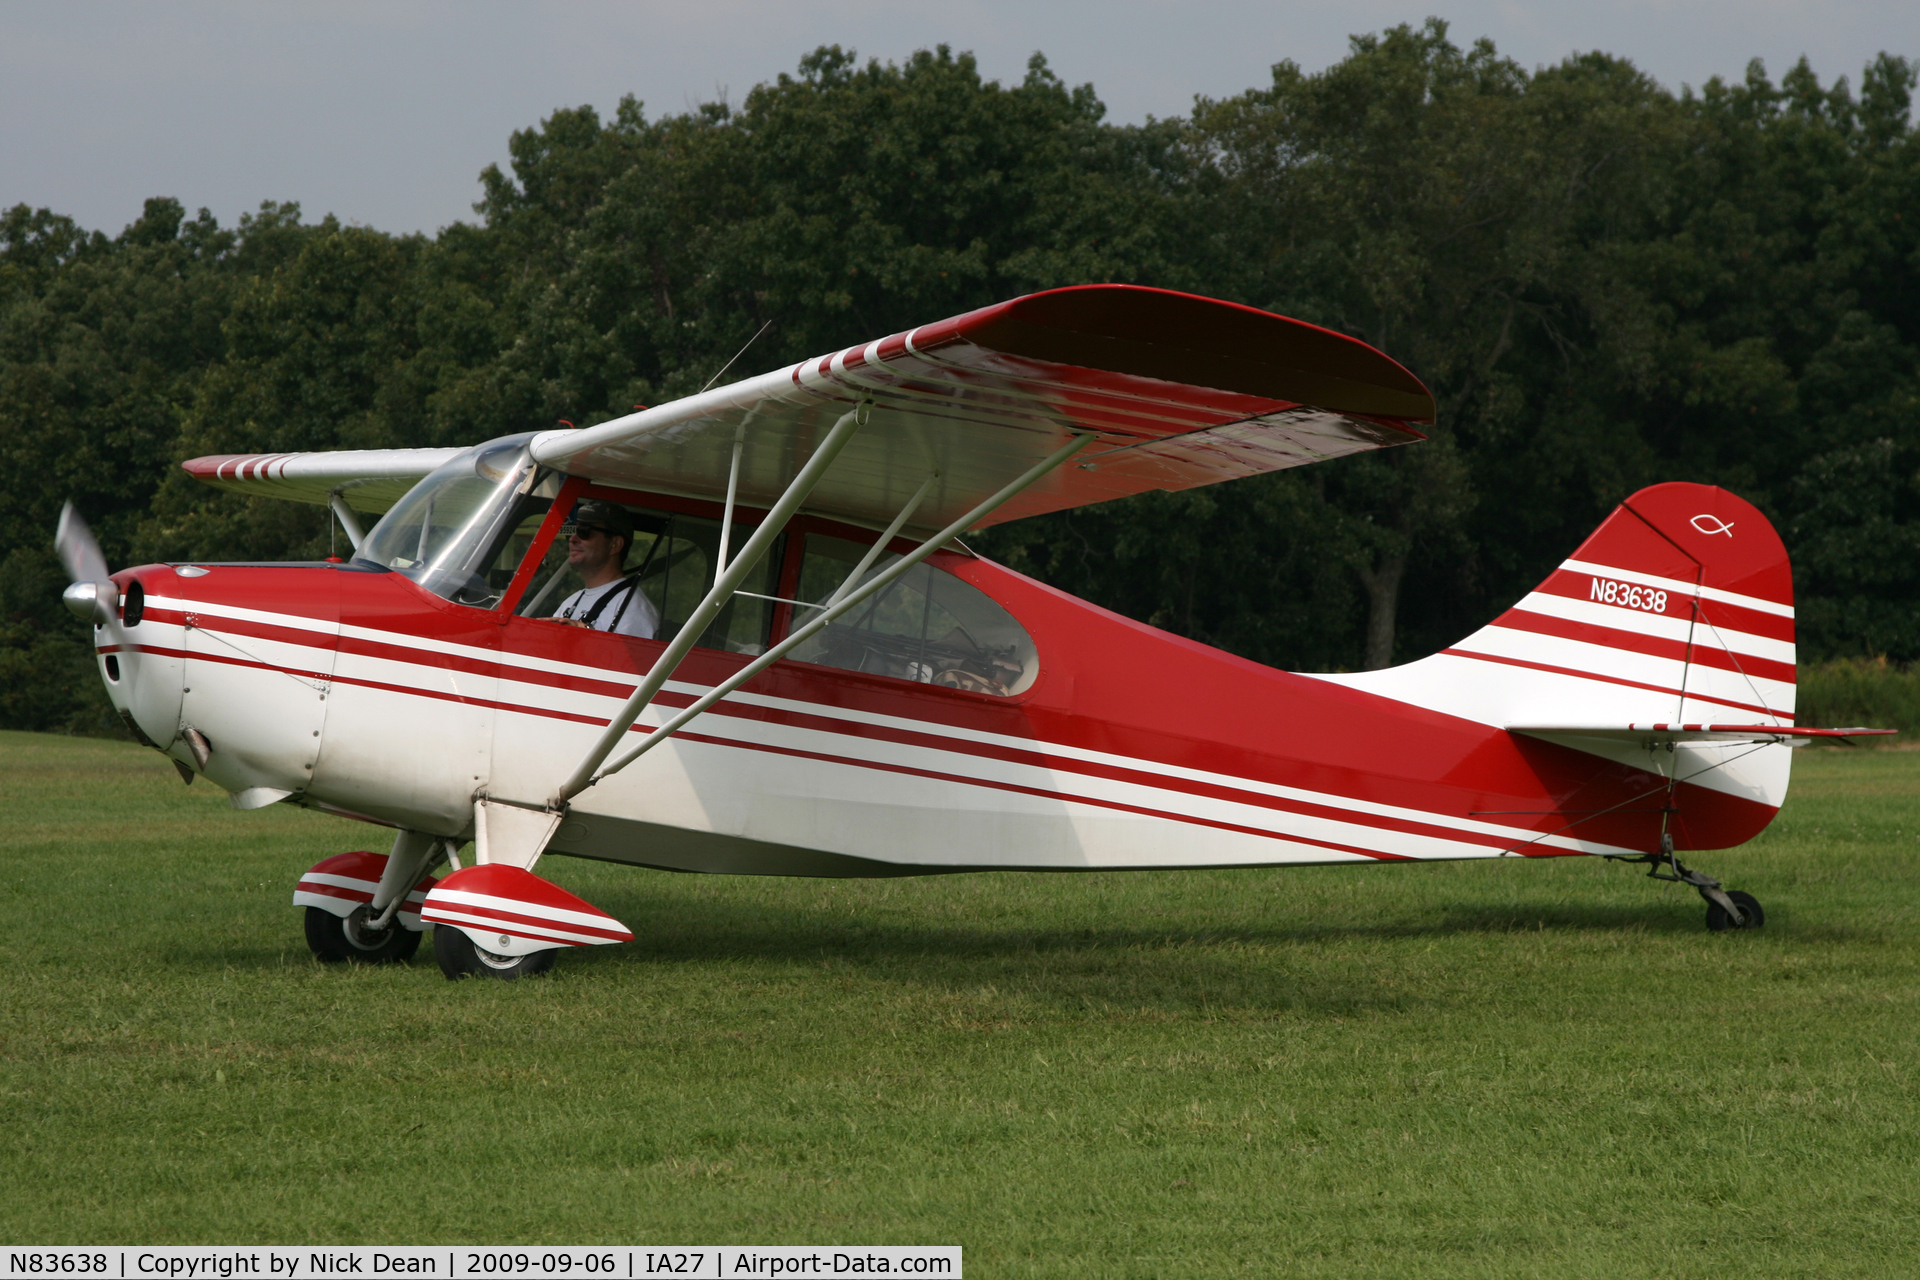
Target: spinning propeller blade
78 551
92 595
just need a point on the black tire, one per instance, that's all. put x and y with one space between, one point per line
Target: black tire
1719 921
336 939
460 958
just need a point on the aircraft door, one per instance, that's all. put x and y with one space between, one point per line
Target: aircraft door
410 721
410 725
560 682
671 561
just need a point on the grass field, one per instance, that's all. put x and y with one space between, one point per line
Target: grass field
1465 1069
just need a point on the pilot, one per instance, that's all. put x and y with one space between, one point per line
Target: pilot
597 551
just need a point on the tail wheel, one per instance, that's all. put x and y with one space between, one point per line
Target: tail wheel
338 939
1719 921
460 958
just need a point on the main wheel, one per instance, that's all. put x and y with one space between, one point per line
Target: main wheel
1719 921
460 958
338 939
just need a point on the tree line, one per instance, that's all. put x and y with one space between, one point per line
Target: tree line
1606 285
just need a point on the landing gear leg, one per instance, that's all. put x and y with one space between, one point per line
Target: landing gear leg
357 904
1725 909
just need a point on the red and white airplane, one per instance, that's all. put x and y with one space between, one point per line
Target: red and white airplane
838 687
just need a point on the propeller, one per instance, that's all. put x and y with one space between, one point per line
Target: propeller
92 596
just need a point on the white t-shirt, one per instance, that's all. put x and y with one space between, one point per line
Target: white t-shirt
629 613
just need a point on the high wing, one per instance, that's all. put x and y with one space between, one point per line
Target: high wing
369 480
1178 390
1175 390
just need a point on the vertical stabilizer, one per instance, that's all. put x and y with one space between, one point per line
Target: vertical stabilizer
1678 609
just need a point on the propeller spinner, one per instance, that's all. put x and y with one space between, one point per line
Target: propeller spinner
144 688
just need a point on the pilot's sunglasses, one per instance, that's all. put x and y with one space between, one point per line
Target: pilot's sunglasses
587 530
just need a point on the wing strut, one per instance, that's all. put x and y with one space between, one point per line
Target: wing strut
724 586
733 487
344 514
844 599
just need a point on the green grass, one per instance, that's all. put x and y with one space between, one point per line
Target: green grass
1869 692
1486 1069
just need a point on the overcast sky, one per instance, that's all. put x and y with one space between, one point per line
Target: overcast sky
385 112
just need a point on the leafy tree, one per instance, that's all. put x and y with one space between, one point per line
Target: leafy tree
1782 281
1446 207
1606 285
831 208
102 343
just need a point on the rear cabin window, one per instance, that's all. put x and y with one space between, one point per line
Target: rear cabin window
674 556
927 626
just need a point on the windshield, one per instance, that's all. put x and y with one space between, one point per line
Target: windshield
447 532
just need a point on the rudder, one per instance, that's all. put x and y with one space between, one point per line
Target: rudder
1678 608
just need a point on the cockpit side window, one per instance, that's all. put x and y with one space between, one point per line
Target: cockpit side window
674 556
927 625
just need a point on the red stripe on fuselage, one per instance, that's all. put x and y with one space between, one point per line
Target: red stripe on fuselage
1705 649
1733 617
947 744
1037 757
1594 675
1151 699
1577 584
184 614
229 660
1067 796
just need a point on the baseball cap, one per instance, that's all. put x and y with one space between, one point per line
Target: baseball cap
610 516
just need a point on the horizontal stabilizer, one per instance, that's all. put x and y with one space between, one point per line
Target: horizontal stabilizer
1654 734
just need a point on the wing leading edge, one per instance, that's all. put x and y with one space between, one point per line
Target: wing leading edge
1178 390
369 480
